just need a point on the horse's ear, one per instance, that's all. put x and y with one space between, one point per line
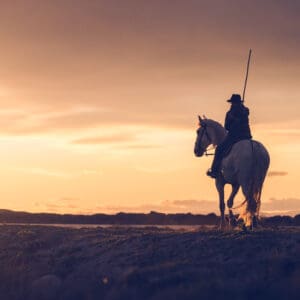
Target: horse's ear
204 117
200 120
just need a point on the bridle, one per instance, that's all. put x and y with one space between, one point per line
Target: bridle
204 132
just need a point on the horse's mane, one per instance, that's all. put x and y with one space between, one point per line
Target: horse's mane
219 130
213 123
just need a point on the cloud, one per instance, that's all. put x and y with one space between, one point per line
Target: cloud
168 206
69 199
191 203
35 122
106 139
290 132
61 205
277 173
30 122
44 172
146 73
289 129
124 140
91 172
58 173
142 146
289 206
59 208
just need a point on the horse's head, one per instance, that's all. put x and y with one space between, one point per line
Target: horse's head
203 139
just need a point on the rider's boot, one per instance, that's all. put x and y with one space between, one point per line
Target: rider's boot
212 173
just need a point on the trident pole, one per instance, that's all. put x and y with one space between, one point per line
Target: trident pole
246 79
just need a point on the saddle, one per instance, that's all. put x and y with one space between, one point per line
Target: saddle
228 149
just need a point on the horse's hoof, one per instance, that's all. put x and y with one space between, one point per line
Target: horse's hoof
254 222
245 229
233 222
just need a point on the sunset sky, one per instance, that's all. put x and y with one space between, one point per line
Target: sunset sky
99 100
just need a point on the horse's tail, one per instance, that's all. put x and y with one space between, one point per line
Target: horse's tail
251 205
253 195
260 173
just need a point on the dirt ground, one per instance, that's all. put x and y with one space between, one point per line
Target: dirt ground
38 262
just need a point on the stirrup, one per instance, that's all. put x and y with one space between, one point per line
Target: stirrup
211 173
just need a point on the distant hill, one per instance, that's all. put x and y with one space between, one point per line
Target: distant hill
152 218
8 216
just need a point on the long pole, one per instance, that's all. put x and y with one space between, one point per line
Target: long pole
246 79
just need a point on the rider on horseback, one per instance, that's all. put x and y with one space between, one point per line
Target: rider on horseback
237 125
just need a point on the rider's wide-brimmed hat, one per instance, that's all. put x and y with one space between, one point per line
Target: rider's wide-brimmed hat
235 98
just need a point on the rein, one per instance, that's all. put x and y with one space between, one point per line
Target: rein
204 131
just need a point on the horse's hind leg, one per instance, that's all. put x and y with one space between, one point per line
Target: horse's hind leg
232 219
249 216
252 207
254 221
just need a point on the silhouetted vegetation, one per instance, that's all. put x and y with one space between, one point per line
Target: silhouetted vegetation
152 218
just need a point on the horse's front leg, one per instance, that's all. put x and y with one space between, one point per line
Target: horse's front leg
235 189
220 188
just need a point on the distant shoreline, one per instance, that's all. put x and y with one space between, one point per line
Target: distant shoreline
112 226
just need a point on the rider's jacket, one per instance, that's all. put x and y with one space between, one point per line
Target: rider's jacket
237 122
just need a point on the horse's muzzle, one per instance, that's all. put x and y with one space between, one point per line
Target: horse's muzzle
198 153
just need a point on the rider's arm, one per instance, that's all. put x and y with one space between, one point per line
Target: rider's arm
229 120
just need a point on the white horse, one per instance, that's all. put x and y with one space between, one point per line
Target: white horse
245 166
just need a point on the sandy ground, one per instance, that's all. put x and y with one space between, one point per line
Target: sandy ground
39 262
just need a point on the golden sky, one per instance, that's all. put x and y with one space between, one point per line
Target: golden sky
99 99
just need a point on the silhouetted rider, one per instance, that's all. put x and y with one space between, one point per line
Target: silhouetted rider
237 125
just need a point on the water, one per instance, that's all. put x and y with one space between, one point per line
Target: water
79 226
